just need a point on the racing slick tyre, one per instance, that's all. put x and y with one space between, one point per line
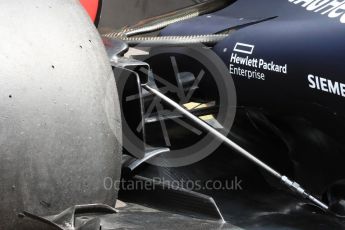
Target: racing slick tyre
60 122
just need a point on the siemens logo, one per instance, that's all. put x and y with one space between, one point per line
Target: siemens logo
330 8
326 85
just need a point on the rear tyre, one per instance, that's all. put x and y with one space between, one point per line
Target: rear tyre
60 130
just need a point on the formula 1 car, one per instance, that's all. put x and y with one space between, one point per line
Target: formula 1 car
220 115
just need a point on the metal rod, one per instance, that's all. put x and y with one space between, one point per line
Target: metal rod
285 180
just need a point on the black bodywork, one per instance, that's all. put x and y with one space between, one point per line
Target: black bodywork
289 109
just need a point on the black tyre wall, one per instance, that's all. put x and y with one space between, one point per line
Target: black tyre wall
60 123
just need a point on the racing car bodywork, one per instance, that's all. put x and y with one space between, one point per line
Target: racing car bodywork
288 68
262 77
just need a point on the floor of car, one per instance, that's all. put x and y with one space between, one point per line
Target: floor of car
269 211
134 216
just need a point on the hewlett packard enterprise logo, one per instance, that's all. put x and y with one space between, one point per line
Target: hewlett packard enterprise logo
244 64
